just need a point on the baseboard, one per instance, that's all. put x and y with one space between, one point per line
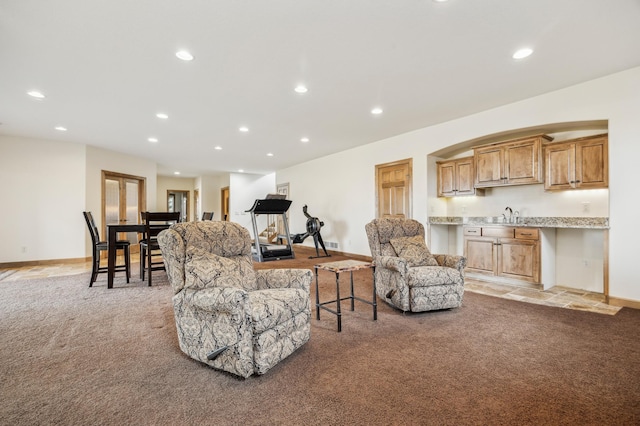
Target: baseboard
311 251
45 262
302 250
625 303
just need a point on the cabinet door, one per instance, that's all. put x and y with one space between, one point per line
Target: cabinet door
559 166
592 164
464 177
522 162
519 259
489 162
481 254
446 179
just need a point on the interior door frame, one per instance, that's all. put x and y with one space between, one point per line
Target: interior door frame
224 203
185 192
409 163
122 177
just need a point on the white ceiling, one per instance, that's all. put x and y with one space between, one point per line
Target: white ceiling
107 67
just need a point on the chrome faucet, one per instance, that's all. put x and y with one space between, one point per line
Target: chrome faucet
508 219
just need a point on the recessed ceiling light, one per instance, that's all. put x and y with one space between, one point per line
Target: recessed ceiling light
522 53
304 140
439 1
162 115
154 140
376 111
217 148
241 170
184 55
176 173
270 154
61 128
36 94
301 89
244 129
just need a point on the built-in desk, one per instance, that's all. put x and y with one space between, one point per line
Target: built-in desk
574 252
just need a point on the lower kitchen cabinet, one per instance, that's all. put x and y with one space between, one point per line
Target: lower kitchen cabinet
503 251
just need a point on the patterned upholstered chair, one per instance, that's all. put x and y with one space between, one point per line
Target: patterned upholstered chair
408 276
227 314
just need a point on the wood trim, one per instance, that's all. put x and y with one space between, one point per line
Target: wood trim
12 265
605 267
625 303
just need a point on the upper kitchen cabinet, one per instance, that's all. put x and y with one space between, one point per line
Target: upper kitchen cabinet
455 178
516 162
577 164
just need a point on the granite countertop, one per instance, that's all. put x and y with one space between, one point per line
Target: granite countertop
538 222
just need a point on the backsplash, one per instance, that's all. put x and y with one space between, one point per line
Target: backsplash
527 200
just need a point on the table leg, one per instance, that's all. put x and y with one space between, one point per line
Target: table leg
317 296
375 303
352 295
338 313
111 267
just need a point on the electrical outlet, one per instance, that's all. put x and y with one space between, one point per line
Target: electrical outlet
586 207
586 263
24 249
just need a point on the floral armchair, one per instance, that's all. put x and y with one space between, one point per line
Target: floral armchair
408 276
227 314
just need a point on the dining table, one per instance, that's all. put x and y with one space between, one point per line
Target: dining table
112 236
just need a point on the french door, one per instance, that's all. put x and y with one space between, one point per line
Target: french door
123 198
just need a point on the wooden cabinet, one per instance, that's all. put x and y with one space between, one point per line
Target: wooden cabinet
509 252
455 178
517 162
577 164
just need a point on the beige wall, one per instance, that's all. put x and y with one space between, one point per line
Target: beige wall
43 192
346 199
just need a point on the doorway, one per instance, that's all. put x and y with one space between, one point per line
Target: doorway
178 201
393 189
123 198
224 203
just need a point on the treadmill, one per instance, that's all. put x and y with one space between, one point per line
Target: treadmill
274 204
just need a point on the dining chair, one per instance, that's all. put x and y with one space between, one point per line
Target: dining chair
100 246
154 223
207 216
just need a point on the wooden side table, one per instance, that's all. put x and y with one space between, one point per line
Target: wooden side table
338 267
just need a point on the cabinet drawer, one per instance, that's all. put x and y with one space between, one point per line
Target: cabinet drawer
500 232
527 233
473 231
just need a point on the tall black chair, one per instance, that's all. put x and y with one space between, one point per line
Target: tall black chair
207 216
154 223
99 246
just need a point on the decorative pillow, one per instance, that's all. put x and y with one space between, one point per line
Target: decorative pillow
414 250
204 269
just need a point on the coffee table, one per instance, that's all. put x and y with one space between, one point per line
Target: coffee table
337 268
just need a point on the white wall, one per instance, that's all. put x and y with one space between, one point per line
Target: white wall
244 190
345 199
43 190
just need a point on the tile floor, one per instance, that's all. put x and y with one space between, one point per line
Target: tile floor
557 296
561 297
